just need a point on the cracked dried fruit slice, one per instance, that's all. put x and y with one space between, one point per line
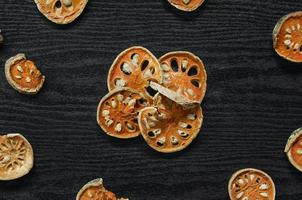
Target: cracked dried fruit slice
169 127
186 5
251 184
135 68
117 112
16 156
23 75
293 149
287 37
61 11
94 190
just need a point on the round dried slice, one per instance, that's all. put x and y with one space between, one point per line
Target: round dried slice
61 11
186 5
251 184
117 112
293 149
23 75
185 74
169 127
135 68
94 190
287 37
16 156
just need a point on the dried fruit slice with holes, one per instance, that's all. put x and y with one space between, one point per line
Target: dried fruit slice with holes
61 11
186 5
135 68
293 149
287 37
169 127
23 75
251 184
118 111
16 156
94 190
185 74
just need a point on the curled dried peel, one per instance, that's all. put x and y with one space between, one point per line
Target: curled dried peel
287 37
251 184
135 68
117 112
16 156
61 11
293 149
169 127
186 5
23 75
184 73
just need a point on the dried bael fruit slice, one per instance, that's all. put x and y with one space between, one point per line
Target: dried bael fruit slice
135 68
16 156
287 37
186 5
94 190
293 149
117 112
185 74
251 184
61 11
168 127
23 75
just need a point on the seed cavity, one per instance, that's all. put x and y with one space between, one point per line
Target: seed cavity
28 79
193 71
120 82
126 68
165 67
161 141
118 127
174 140
191 116
134 59
19 68
190 92
105 113
182 134
108 122
263 187
144 65
113 103
130 127
264 194
196 83
184 65
18 77
67 3
186 1
154 133
174 65
239 195
120 97
126 101
299 151
147 73
241 181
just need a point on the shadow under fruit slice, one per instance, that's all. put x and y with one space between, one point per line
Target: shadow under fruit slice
23 75
94 190
168 127
61 11
118 111
293 149
135 68
251 184
186 5
16 156
287 37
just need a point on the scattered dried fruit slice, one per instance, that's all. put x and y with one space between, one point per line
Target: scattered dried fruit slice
251 184
117 112
135 68
61 11
16 156
287 37
94 190
293 149
185 74
168 127
23 75
186 5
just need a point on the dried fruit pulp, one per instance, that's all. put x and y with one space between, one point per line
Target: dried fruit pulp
186 5
98 193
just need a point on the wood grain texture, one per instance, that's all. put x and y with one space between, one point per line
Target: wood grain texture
253 102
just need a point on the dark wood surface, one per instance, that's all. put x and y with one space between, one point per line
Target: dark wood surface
253 102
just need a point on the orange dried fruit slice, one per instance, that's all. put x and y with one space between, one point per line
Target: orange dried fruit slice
251 184
168 127
23 75
186 5
287 37
61 11
16 156
95 190
118 111
293 149
135 68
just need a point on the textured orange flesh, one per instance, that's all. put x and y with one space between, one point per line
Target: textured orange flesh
97 193
191 5
296 151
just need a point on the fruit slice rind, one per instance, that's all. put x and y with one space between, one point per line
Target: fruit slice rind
291 141
185 7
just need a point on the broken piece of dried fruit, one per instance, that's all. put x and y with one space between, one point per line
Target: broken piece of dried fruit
293 149
186 5
23 75
61 11
251 184
16 156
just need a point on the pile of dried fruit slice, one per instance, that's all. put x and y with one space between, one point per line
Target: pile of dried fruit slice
158 99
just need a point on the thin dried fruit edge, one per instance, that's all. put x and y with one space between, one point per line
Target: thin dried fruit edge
186 5
293 149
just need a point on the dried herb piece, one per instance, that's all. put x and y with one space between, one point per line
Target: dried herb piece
186 5
293 149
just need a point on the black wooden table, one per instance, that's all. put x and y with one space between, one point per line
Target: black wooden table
253 102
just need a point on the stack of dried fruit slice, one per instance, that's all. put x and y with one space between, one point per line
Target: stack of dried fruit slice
158 99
